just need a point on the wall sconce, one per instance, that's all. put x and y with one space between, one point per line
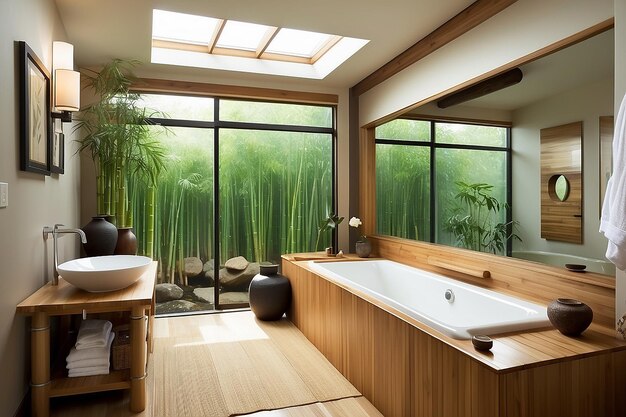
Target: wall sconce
66 82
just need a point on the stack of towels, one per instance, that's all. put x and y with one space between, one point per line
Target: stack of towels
90 355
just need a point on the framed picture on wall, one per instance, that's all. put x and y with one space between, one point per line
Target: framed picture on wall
35 121
57 163
606 155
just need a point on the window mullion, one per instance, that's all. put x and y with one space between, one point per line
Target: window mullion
216 34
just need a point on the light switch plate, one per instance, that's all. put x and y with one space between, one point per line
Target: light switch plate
4 194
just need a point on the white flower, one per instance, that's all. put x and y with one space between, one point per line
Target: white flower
355 222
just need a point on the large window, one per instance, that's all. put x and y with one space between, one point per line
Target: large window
245 181
444 182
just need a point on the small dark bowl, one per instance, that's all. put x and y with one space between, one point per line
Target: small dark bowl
576 267
482 342
268 269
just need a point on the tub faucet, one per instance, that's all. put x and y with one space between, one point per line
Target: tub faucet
55 231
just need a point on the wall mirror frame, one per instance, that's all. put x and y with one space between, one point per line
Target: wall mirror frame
367 150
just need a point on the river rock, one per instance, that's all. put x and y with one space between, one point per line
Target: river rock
177 306
167 292
193 266
234 297
208 266
238 279
204 294
238 263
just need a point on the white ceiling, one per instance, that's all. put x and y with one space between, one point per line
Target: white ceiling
580 64
104 29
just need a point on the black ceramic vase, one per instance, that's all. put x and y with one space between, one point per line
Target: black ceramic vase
270 294
363 248
126 242
570 317
101 237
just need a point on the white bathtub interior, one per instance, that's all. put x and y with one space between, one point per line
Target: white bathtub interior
422 295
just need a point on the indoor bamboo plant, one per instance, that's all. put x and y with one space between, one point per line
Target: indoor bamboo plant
116 130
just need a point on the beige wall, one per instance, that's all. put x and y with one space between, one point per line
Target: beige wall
34 200
522 28
585 103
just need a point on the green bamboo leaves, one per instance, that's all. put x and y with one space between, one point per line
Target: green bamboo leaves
474 219
116 131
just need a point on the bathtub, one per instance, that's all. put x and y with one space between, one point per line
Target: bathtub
560 259
454 308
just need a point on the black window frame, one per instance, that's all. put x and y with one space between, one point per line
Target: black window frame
433 145
216 124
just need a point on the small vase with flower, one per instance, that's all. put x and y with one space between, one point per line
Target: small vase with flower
363 246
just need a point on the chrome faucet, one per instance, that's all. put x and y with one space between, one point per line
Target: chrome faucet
55 232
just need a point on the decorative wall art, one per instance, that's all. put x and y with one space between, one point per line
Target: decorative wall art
562 183
35 122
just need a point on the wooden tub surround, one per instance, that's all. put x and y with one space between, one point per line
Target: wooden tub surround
405 368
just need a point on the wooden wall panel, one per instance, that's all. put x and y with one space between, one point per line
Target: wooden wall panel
561 154
529 280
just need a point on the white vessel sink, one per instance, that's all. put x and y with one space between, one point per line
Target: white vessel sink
104 273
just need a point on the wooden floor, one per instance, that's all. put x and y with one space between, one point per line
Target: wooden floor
115 404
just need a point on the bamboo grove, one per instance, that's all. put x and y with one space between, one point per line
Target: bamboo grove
403 174
274 188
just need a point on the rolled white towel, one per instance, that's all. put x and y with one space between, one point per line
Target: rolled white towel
93 334
92 353
92 370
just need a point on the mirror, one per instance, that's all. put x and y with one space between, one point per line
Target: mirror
474 183
560 187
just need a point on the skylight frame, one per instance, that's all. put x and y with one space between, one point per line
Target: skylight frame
213 46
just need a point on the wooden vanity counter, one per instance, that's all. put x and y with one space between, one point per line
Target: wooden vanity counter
406 368
65 299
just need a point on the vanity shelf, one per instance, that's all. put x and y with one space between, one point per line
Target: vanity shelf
65 299
63 386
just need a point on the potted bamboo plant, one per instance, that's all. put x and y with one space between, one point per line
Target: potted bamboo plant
117 132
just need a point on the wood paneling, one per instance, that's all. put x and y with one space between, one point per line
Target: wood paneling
561 154
151 85
472 16
405 370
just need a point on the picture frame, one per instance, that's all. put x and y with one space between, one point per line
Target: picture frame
605 162
57 149
35 120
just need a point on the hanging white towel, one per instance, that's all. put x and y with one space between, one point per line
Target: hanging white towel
613 223
93 334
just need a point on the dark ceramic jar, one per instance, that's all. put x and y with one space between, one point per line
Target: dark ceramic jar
126 242
101 237
270 293
570 317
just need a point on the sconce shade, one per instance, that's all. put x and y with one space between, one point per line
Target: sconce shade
67 90
62 55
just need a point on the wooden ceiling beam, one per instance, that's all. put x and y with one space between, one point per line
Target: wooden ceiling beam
483 88
469 18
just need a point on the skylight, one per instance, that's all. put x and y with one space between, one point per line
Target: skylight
241 35
200 41
182 27
298 43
